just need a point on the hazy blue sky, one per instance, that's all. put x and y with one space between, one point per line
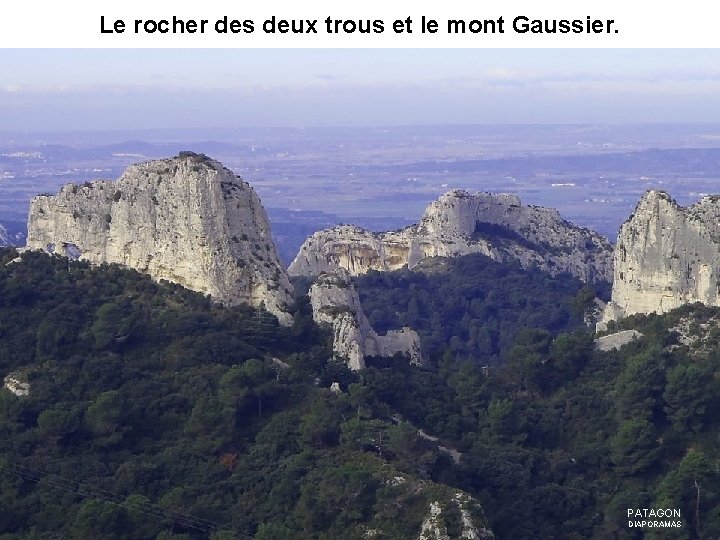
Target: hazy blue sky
112 89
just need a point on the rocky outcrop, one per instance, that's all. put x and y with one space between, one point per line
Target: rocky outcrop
187 220
666 256
434 527
615 341
335 302
460 223
17 383
698 334
472 528
4 238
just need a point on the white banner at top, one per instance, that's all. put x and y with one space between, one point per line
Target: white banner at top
367 24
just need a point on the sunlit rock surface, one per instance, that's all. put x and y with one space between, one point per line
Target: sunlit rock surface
335 302
187 220
666 256
460 223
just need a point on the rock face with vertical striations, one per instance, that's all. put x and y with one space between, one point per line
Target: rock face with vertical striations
187 220
666 256
335 302
460 223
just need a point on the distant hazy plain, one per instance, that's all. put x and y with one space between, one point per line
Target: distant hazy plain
383 177
583 130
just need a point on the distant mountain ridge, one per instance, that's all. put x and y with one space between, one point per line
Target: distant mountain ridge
460 223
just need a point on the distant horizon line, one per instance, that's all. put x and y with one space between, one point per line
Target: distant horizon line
4 132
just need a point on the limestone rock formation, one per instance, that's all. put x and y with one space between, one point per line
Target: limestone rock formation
187 220
666 256
618 340
460 223
335 302
434 528
698 334
4 238
17 383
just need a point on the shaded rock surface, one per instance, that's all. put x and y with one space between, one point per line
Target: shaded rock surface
187 220
335 302
666 256
460 223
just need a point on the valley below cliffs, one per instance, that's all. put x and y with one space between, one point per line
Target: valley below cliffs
187 220
459 223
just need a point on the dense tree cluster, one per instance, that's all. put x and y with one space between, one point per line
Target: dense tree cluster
563 440
154 413
473 306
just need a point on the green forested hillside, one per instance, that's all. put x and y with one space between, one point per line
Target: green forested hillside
473 307
153 414
563 440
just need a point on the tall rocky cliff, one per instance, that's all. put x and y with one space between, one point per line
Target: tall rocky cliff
187 220
460 223
666 256
335 302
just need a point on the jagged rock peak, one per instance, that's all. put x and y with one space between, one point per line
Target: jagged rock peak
457 211
186 219
666 256
460 223
335 302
